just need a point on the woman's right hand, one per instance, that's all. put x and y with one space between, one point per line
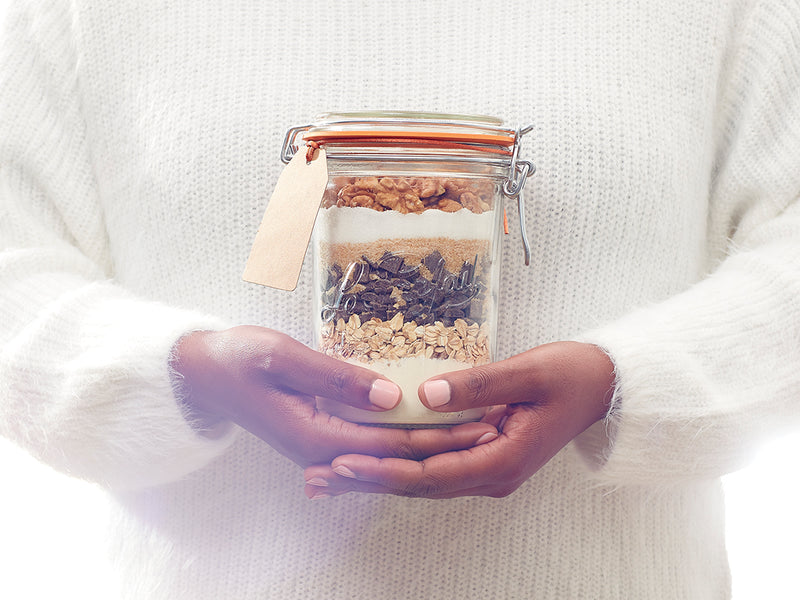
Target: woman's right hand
266 382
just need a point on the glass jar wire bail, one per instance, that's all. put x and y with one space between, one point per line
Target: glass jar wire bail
518 173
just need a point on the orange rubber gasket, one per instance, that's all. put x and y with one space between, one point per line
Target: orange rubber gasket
452 141
410 137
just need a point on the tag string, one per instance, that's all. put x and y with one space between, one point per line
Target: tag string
311 147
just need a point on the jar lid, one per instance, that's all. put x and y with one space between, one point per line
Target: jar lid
475 132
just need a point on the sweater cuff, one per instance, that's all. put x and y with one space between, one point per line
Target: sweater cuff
163 442
99 402
596 444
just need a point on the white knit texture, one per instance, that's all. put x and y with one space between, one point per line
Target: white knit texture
139 144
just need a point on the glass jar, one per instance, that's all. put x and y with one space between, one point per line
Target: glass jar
406 248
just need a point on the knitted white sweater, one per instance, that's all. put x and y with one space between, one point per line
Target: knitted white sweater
139 143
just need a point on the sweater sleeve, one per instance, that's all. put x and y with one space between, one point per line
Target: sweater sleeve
84 365
705 376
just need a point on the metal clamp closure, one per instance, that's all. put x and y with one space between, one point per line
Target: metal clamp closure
518 170
289 146
518 173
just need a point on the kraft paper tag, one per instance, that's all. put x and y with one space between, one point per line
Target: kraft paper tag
283 236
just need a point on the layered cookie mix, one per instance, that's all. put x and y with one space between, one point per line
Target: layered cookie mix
404 279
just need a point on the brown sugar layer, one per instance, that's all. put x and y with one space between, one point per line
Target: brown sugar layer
454 252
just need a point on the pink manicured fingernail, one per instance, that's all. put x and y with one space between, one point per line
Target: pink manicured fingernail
437 392
317 482
486 437
320 496
344 471
384 394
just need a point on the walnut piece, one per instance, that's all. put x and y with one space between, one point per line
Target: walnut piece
411 195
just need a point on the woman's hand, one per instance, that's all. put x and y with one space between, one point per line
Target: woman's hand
552 393
266 382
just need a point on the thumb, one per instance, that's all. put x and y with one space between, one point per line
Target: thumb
310 372
509 381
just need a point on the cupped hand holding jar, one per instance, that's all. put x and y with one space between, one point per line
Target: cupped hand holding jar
539 400
268 383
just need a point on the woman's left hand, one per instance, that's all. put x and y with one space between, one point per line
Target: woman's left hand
551 394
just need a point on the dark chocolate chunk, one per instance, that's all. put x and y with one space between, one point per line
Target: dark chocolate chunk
414 311
422 287
364 273
407 272
391 263
411 297
381 286
333 275
348 303
438 296
369 297
385 299
371 263
467 274
433 261
448 283
458 300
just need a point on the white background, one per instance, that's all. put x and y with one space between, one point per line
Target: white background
52 527
52 530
